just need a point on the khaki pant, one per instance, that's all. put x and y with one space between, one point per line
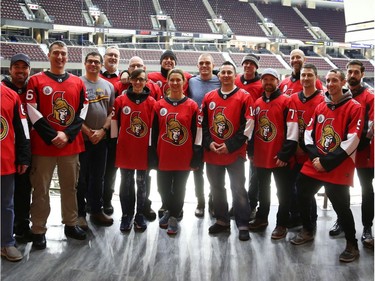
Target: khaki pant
40 177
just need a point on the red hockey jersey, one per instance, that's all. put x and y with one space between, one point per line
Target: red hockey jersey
15 139
56 103
365 151
254 86
131 125
333 135
173 133
292 85
305 108
276 130
226 119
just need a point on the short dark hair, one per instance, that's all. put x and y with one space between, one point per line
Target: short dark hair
356 62
58 43
338 71
136 73
94 54
311 66
229 63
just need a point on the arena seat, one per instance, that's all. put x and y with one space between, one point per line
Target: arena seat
265 61
286 19
187 15
10 9
329 20
64 12
127 14
242 22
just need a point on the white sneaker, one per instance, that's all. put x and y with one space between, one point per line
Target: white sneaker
11 253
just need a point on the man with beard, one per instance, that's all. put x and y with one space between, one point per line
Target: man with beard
111 73
275 142
364 161
19 74
292 83
339 118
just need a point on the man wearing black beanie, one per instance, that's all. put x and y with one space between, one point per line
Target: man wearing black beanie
168 61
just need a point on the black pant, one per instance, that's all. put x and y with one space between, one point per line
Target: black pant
22 198
366 175
253 191
110 173
172 187
283 185
339 196
199 185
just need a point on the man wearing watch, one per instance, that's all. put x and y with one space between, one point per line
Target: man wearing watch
101 97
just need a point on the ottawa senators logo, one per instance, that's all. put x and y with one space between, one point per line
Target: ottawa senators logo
4 128
221 126
329 139
62 112
266 129
137 127
175 132
301 125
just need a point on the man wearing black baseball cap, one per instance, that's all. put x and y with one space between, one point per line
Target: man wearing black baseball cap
19 72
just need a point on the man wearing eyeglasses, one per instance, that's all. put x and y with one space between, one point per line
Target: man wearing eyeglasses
122 85
101 97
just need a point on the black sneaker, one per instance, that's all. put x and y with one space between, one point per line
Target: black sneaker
149 214
139 223
75 232
218 228
108 209
24 237
244 235
336 229
126 223
367 238
39 241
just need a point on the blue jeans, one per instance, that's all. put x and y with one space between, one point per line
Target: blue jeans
241 207
339 196
283 185
7 213
91 177
127 191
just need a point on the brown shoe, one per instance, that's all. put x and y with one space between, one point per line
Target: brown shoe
350 253
279 232
258 224
101 219
302 237
11 253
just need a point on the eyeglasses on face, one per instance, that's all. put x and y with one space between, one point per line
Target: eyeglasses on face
138 79
96 62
